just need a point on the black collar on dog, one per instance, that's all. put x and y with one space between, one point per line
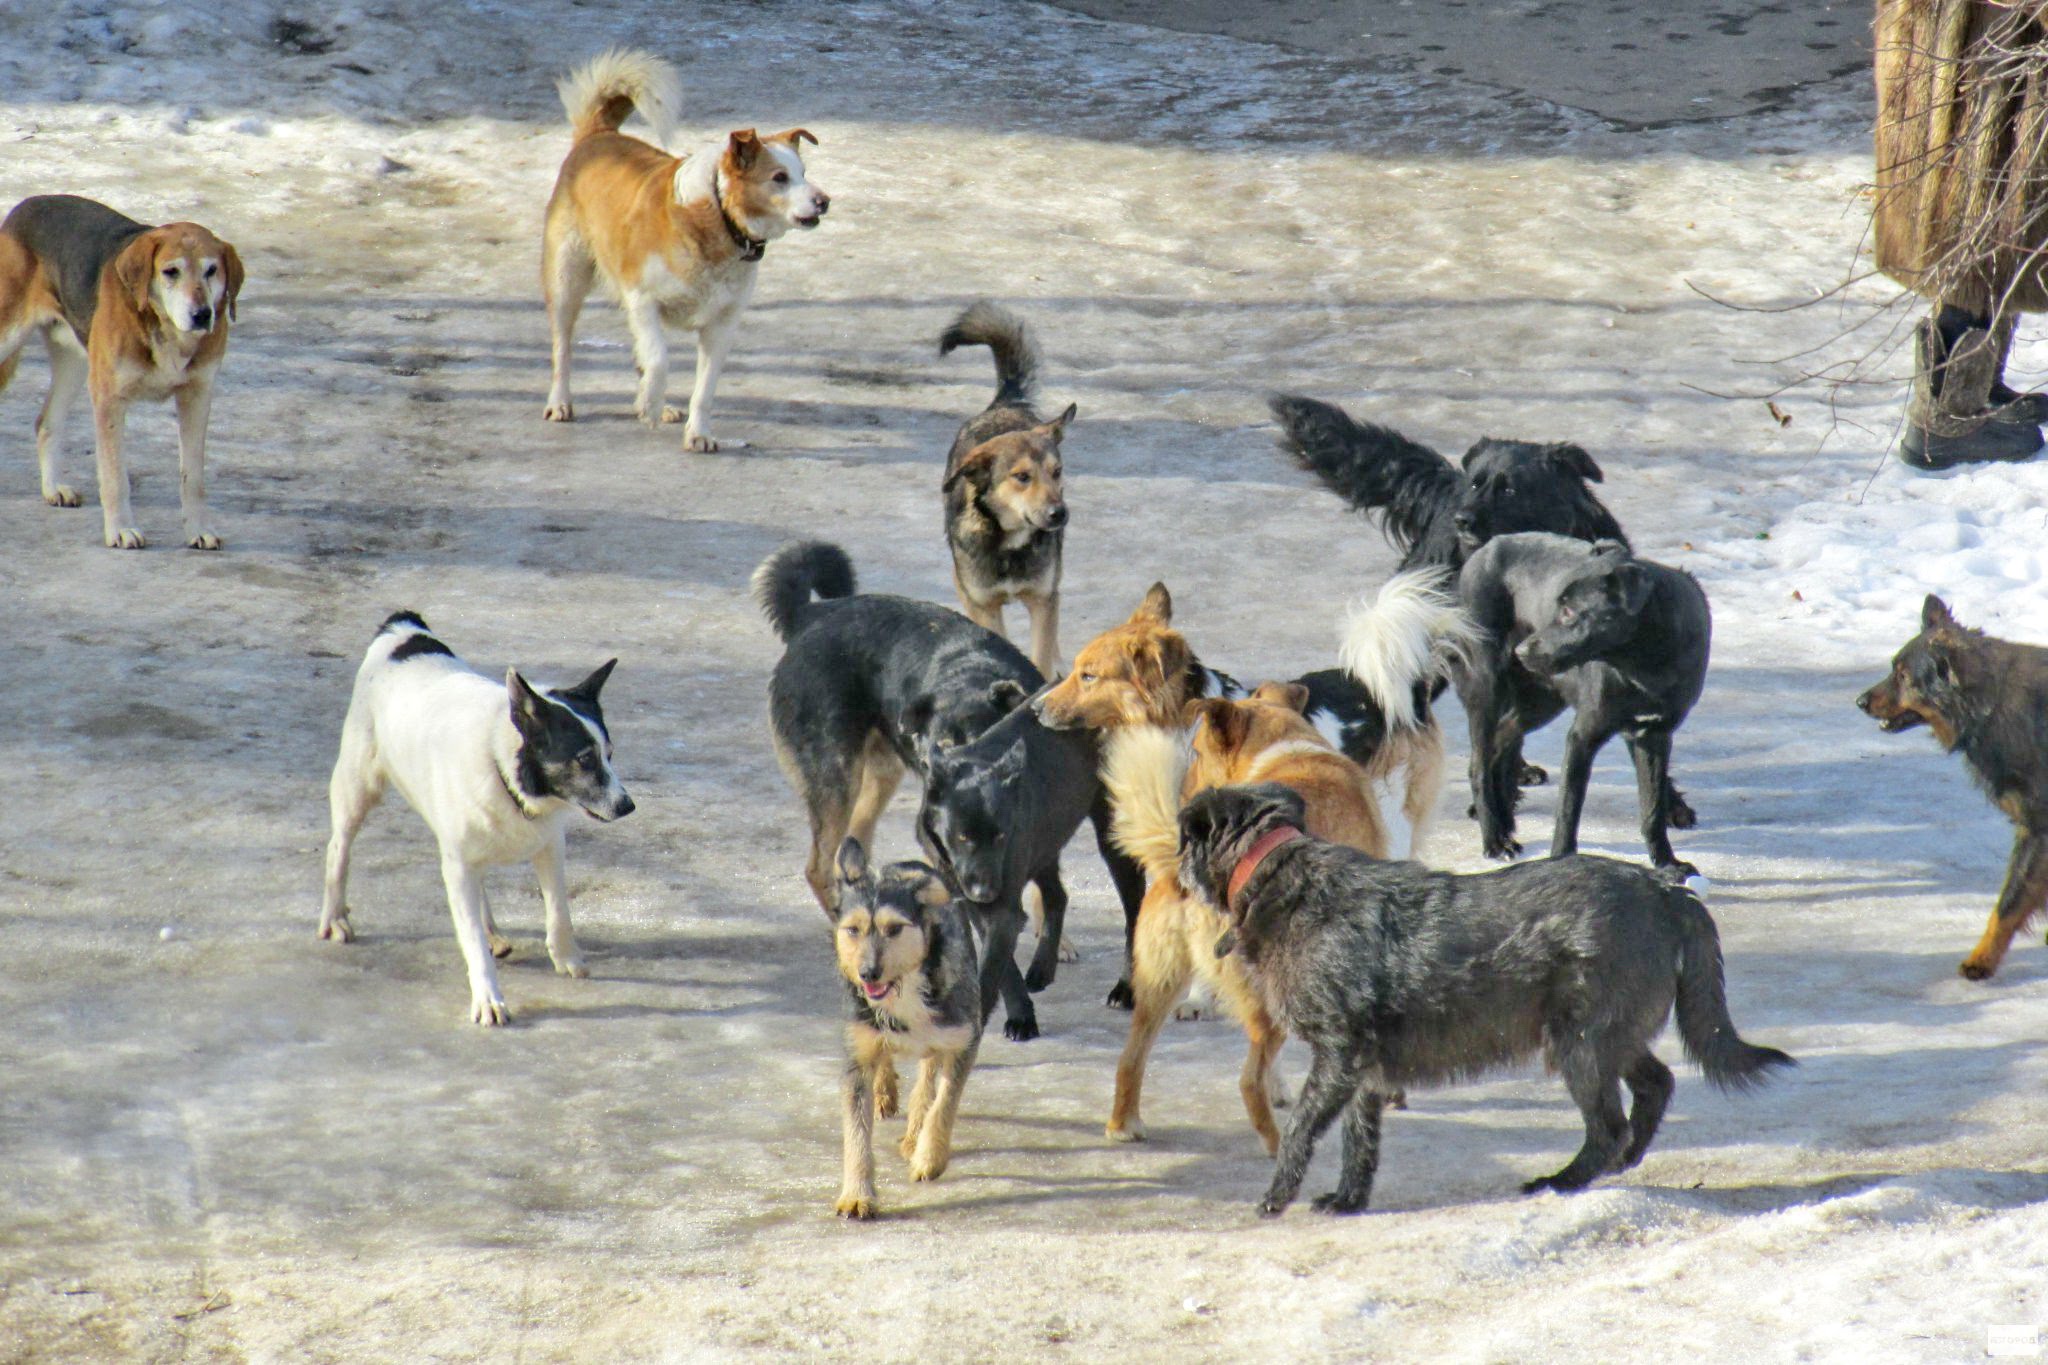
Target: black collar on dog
519 798
751 248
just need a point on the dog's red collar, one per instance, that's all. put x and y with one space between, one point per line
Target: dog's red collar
1270 840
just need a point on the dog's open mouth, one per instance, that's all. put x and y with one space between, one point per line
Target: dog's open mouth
1904 720
809 222
878 990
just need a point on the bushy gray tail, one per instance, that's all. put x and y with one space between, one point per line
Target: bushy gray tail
1703 1023
1375 469
789 579
1006 336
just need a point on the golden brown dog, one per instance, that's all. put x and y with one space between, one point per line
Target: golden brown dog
679 239
1149 772
129 312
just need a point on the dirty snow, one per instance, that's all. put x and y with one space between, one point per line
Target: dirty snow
231 1141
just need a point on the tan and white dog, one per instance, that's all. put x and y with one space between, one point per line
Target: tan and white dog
679 239
129 312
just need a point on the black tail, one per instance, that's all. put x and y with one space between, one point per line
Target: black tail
1373 468
1004 333
1703 1023
404 618
788 579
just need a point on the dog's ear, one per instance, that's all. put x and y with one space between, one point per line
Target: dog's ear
1634 580
135 270
231 261
913 722
1478 448
1059 423
588 689
1291 695
1934 615
1612 549
529 711
973 466
1274 798
1573 459
1226 720
794 136
1197 821
932 891
743 148
1007 693
853 862
1157 608
1155 661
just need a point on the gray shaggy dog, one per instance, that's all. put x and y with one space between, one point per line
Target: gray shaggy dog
1397 976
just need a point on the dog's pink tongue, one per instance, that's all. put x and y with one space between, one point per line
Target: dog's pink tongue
875 989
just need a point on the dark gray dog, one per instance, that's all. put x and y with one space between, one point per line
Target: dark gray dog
1622 641
1398 976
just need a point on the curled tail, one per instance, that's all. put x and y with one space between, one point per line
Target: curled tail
1006 336
1406 639
788 579
600 94
1375 469
1703 1023
1142 769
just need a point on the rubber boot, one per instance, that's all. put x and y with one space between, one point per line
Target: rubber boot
1951 419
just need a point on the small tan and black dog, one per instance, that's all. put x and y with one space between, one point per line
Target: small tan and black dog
912 986
1006 502
1987 699
129 312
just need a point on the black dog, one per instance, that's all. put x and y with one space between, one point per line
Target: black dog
867 684
1620 640
997 812
1397 976
1433 511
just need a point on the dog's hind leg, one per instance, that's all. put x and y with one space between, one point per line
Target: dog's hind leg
486 1001
1052 901
1333 1080
1650 1083
935 1142
501 947
1159 972
1652 754
857 1128
1361 1154
650 353
354 790
68 368
1129 880
1597 1090
1255 1083
826 798
880 773
567 272
554 893
2026 889
1424 782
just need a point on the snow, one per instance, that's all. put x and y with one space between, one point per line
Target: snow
236 1142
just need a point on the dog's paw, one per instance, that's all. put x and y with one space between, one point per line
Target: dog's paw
501 947
1681 815
1397 1100
202 540
1134 1131
1973 969
1192 1011
1036 980
490 1011
698 442
1067 952
1335 1202
1507 850
1273 1205
573 967
1120 997
564 411
337 929
126 538
63 495
1531 776
1021 1030
1276 1094
929 1165
858 1206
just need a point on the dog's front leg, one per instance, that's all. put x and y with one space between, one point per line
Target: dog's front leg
1052 903
1654 794
2026 890
554 893
465 903
1581 743
1333 1079
713 341
935 1144
920 1100
109 419
857 1126
1129 879
650 353
68 368
999 974
195 402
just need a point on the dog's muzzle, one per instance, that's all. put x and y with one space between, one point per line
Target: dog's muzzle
1056 517
202 319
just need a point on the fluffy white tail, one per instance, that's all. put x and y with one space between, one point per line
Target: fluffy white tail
1143 767
1409 634
599 94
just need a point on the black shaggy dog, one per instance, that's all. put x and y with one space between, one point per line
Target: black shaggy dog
1397 976
1435 512
1621 641
1986 699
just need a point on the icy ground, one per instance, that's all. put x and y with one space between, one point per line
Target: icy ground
230 1141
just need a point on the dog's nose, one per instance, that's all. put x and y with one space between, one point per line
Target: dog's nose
1056 518
824 203
1464 521
1863 702
202 317
873 973
624 808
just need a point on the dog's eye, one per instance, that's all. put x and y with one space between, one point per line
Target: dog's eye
1566 615
1088 678
893 930
210 269
1022 476
170 272
782 177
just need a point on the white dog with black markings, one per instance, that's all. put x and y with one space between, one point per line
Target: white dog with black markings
495 771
